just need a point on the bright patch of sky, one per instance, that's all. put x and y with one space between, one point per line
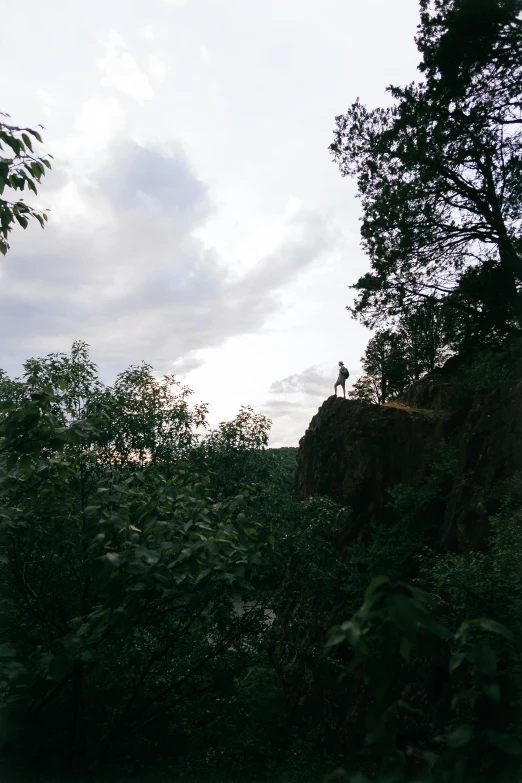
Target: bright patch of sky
197 220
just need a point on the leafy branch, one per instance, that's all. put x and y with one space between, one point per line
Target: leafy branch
20 168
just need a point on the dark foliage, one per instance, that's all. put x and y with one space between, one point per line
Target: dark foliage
20 168
439 172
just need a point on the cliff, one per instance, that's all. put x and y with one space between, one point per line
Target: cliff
356 453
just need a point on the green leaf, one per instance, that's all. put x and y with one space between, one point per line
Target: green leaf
37 169
35 134
337 636
459 737
487 625
495 627
27 141
352 630
466 695
376 582
15 144
492 692
408 708
405 648
420 595
151 558
455 661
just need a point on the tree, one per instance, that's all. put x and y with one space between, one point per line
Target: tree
423 337
366 389
385 365
234 452
439 173
471 44
20 167
120 574
395 359
146 418
73 376
392 630
149 419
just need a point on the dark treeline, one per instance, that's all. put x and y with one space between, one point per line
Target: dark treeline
139 569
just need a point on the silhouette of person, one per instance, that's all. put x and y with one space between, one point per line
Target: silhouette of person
341 378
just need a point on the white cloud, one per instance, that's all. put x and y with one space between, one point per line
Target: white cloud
47 100
140 285
294 400
120 262
121 71
100 117
157 68
97 123
289 421
311 381
294 205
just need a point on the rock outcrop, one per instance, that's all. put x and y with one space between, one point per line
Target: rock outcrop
356 453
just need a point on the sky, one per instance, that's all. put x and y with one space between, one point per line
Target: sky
197 219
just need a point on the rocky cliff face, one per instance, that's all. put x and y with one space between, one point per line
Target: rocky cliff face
356 453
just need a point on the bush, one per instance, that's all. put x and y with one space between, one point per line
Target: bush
398 548
120 574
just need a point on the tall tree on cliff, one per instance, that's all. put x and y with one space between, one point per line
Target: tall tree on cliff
440 172
395 359
423 338
385 368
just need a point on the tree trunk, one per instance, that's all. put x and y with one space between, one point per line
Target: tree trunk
512 265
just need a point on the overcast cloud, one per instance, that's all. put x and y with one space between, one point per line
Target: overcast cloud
126 272
197 221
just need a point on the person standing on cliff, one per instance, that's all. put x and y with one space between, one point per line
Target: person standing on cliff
341 378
